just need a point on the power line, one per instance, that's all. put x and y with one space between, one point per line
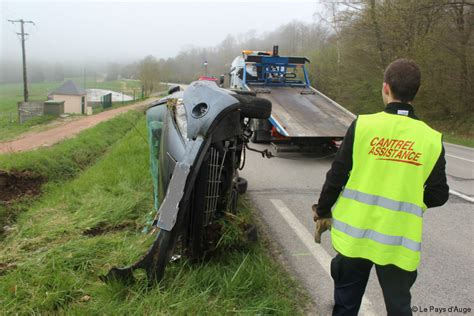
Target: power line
22 34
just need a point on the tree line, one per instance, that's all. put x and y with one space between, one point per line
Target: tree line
350 45
11 72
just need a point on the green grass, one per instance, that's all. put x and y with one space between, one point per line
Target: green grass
65 160
457 131
57 266
464 141
115 105
68 158
11 94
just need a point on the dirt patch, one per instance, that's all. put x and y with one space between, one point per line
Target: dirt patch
104 228
16 184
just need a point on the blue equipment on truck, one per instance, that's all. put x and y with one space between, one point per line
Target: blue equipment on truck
301 115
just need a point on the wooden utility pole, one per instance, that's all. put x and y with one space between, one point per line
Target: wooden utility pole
22 34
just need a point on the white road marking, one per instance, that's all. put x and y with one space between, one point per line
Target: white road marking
462 196
318 252
457 146
457 157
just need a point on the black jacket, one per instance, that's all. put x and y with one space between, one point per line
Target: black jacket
436 187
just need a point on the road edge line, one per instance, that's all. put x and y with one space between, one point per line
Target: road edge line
460 158
318 252
459 146
462 196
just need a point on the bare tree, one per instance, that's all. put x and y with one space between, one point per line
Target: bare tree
148 73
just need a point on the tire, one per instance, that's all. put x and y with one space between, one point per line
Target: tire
261 131
241 184
254 107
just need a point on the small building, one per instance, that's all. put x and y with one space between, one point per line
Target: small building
53 107
74 97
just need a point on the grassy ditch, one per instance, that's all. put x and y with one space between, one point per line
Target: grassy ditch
51 260
460 131
464 141
22 174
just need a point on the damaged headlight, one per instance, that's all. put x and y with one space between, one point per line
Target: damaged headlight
180 117
176 106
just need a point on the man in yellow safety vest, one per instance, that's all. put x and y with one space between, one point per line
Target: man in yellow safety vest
389 170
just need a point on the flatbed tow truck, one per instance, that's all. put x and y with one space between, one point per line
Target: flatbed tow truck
302 117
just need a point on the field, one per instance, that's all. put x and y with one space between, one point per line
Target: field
94 205
10 94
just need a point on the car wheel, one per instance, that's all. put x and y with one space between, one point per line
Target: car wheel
241 184
254 107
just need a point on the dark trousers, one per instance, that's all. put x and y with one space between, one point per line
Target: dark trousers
350 277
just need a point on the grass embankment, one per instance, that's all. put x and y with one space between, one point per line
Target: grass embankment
65 160
54 261
459 132
459 140
11 94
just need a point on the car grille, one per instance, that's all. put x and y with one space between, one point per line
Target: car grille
216 163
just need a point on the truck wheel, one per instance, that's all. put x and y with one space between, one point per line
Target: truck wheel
261 131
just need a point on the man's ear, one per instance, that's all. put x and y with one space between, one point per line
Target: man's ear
386 88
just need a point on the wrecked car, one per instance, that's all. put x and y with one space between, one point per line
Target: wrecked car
197 138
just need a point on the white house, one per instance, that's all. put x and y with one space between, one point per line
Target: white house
74 97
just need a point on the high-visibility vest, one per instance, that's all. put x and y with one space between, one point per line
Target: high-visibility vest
378 215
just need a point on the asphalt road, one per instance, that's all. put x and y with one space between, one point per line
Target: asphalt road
283 190
460 169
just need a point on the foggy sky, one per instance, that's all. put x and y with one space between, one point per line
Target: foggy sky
73 31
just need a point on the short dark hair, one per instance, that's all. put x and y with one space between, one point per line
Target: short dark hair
404 77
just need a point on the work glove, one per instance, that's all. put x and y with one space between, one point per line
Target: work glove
322 224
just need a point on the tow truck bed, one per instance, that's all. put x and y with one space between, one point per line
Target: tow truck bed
307 114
